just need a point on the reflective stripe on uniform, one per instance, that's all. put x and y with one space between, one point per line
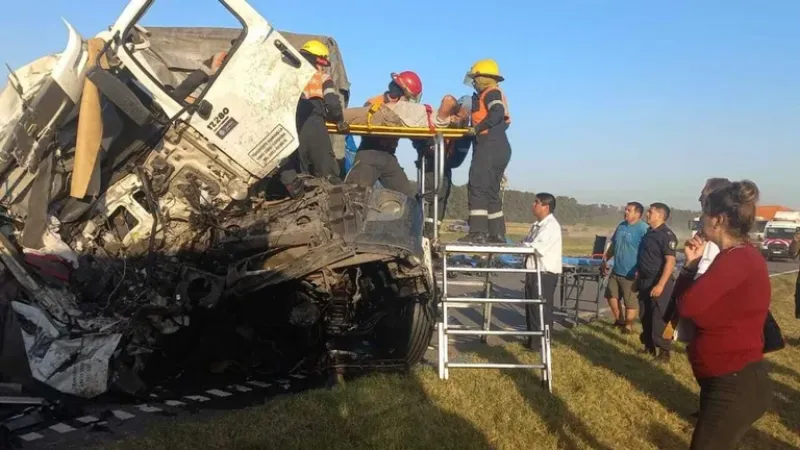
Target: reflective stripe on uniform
496 102
478 212
329 91
496 215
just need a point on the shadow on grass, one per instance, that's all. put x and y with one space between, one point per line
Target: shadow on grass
780 368
664 438
653 381
382 411
551 409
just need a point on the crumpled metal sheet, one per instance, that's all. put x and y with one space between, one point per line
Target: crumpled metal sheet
31 77
75 366
186 48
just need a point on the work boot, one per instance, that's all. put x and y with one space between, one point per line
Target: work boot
496 239
473 238
663 356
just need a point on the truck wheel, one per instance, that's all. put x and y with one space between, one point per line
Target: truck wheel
407 334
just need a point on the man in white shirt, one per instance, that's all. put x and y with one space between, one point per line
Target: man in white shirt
545 238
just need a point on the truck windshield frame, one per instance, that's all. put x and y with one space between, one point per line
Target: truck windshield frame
126 35
780 232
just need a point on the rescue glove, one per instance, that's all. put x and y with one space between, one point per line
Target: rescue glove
342 127
470 132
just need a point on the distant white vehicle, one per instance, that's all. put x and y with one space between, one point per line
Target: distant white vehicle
778 235
787 216
756 236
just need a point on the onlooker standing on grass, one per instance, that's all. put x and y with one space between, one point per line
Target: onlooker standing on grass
545 239
729 305
686 329
654 283
794 250
624 249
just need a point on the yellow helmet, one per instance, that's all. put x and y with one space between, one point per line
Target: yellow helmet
485 67
316 48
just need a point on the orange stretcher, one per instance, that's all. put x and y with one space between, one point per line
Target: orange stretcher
400 132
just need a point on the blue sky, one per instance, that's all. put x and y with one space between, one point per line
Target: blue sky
611 100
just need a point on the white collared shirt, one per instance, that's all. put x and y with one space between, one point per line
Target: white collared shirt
709 253
545 239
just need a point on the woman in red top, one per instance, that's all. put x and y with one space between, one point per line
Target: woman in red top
729 305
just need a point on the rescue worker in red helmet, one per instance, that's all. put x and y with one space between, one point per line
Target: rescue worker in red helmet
375 157
491 153
318 102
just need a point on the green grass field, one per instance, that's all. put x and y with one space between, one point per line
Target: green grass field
606 396
573 245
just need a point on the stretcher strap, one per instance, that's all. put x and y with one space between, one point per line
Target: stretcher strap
401 132
373 108
429 116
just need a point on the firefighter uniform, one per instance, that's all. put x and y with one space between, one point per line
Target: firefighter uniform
318 102
375 157
490 155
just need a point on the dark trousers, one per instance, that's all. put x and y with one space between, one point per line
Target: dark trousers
490 157
797 298
729 405
653 310
444 195
315 152
370 166
549 283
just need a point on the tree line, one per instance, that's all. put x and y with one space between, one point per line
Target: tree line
517 208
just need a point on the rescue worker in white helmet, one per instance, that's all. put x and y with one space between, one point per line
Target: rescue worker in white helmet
318 102
491 152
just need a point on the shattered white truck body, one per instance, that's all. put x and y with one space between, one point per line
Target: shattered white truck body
184 242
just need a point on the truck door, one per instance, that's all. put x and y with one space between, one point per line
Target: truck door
247 107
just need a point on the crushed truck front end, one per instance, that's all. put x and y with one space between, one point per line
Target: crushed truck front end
184 239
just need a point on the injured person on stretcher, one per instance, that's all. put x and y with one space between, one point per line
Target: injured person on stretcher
409 114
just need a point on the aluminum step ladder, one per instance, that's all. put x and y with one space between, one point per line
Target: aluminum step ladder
445 329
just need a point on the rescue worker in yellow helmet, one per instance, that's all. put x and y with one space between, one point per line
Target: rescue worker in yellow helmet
318 102
491 153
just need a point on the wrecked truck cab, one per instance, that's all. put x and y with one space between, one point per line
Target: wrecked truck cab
179 255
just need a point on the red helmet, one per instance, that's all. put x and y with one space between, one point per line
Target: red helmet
409 82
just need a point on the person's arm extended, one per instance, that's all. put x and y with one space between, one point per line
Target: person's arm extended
493 101
332 103
609 253
669 267
723 276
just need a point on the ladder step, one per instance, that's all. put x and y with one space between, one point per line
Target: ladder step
495 366
460 305
494 332
490 300
463 283
489 270
503 249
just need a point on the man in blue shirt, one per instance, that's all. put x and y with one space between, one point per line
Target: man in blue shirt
624 249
